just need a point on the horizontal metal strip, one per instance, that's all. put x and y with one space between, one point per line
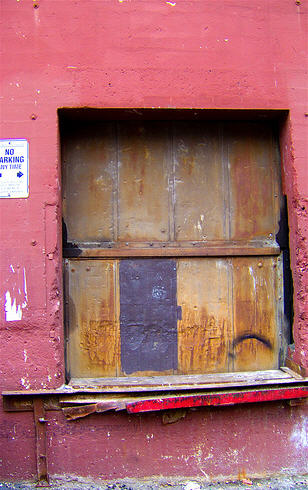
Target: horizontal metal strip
224 251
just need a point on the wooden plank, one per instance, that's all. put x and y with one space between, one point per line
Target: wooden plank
144 388
210 378
203 291
24 403
89 157
252 158
217 399
143 181
158 383
136 404
183 382
88 398
255 343
130 398
170 251
294 367
294 374
199 184
17 404
94 338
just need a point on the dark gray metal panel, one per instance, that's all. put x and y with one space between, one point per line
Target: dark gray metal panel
148 315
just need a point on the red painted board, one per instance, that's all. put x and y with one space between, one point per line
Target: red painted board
217 399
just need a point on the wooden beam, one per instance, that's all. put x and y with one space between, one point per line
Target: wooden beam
219 251
217 399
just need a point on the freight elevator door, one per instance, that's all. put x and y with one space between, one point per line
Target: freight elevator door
171 261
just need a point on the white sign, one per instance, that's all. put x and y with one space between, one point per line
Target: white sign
14 168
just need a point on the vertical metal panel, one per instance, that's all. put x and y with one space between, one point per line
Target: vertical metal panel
89 156
144 158
94 337
255 287
203 291
199 182
251 158
148 315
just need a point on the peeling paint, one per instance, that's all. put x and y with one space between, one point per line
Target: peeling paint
25 382
13 305
12 311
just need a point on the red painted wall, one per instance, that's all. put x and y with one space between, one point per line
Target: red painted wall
141 53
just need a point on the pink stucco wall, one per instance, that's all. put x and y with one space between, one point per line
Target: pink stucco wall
141 53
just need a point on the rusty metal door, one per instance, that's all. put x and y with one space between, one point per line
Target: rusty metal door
171 261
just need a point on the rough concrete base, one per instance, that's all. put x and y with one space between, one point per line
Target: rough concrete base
277 483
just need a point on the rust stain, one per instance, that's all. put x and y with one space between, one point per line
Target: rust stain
143 182
80 411
199 184
93 320
188 164
201 341
255 313
95 337
88 182
205 324
173 416
252 173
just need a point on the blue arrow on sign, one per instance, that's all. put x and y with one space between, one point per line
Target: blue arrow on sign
20 174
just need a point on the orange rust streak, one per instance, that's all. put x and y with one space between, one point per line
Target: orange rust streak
205 324
93 322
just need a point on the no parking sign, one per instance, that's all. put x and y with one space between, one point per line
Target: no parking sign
14 168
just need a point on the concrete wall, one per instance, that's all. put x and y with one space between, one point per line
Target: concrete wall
140 53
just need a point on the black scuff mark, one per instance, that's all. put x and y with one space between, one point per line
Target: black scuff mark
249 336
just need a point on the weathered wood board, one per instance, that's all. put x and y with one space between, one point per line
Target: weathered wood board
204 295
199 182
143 193
256 303
252 174
93 335
89 160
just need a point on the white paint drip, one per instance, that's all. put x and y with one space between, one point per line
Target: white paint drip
24 304
299 435
13 308
251 272
200 226
12 311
